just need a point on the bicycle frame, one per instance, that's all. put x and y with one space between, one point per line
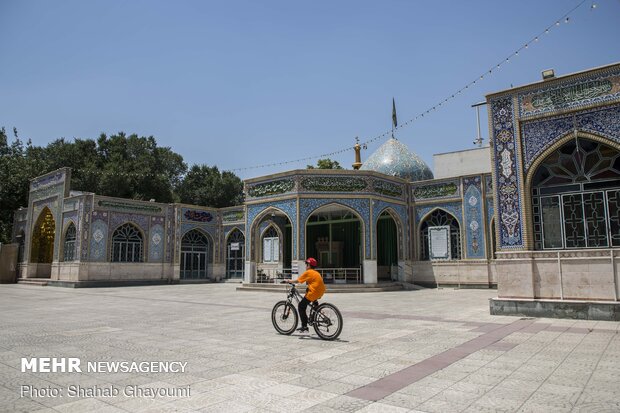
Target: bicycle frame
293 293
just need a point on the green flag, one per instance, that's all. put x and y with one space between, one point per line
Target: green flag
394 121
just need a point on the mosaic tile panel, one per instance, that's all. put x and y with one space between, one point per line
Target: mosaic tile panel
128 206
229 229
489 185
85 226
308 206
289 207
170 227
506 173
474 222
156 242
401 210
208 229
454 208
53 178
117 219
69 217
387 188
490 210
437 191
263 189
233 216
99 238
334 184
539 135
571 94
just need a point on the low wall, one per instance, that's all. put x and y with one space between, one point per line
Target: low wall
564 275
464 273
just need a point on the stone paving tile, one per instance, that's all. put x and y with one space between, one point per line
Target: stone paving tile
243 365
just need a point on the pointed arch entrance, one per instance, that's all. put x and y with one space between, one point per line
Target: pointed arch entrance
334 238
42 246
235 254
387 247
195 255
272 245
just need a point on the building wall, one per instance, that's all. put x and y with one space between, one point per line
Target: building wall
462 163
525 125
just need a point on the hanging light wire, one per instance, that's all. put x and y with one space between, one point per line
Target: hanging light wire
564 17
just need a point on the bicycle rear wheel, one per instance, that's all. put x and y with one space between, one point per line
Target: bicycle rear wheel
284 317
327 321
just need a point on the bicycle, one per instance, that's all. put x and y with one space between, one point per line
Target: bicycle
324 318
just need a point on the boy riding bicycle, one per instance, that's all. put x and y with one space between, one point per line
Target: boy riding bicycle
314 291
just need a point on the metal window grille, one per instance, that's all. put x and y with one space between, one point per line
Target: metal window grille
69 243
127 244
439 217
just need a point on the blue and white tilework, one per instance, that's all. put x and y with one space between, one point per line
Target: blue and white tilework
99 237
142 221
156 240
571 94
394 158
490 210
85 213
474 222
289 207
308 206
506 173
230 228
454 208
539 135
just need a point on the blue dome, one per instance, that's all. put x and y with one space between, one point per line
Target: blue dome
394 158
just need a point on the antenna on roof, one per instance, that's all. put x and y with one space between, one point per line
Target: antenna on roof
478 141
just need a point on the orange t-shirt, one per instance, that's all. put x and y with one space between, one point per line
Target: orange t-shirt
316 288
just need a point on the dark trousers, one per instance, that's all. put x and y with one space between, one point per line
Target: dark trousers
303 305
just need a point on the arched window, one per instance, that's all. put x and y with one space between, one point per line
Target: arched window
440 218
69 243
127 244
576 197
271 245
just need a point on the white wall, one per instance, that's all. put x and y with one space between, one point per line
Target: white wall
461 163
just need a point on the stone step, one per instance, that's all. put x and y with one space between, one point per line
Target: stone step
330 288
33 281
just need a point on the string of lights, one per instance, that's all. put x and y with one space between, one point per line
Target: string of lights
556 23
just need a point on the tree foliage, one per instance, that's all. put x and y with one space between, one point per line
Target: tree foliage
117 165
326 163
205 185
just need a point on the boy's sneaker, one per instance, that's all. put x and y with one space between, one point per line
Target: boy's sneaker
303 329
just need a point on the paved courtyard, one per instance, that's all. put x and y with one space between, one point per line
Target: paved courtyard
427 351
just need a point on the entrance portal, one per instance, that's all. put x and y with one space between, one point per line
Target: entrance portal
387 248
42 249
195 256
333 236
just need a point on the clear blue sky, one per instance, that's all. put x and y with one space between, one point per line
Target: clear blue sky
241 83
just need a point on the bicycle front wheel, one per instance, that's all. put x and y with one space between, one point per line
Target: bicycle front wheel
327 321
284 317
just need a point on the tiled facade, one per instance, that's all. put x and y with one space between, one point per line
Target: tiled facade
525 124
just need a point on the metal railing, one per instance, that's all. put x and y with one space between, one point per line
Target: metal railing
272 275
330 275
341 275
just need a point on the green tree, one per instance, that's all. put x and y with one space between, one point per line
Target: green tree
326 163
205 185
18 163
135 167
